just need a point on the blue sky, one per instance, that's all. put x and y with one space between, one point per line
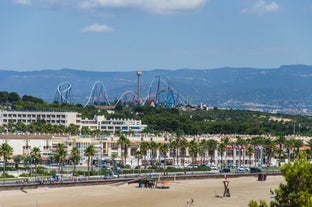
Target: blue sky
129 35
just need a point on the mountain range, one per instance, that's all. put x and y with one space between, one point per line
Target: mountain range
287 88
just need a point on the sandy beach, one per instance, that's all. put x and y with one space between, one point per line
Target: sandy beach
203 193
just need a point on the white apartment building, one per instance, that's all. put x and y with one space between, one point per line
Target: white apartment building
67 118
52 117
113 125
23 143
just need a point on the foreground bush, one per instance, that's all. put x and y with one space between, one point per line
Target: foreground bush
297 191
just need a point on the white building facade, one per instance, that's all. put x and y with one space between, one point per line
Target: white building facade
67 118
52 117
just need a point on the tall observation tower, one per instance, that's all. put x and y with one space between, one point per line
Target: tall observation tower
138 73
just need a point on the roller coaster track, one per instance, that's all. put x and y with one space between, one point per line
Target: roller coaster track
98 95
63 93
161 93
164 94
133 96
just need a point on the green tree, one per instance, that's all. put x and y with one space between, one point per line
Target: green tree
280 141
239 146
4 96
6 152
85 130
144 147
226 142
173 149
297 191
255 204
60 156
89 153
74 157
269 146
193 150
164 149
297 144
211 146
183 145
153 147
178 140
26 160
202 149
222 149
73 129
17 160
13 96
124 142
249 153
138 156
309 151
289 144
35 155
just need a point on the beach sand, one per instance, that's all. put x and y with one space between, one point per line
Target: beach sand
203 192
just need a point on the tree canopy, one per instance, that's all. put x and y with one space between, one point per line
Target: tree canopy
190 122
297 191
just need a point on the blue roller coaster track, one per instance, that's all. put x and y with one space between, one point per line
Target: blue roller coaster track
161 93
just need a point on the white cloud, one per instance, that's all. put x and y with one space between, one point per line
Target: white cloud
46 3
261 7
22 2
97 28
154 6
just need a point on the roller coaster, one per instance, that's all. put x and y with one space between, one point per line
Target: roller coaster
63 93
161 93
98 95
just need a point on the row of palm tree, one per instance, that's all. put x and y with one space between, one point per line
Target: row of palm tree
34 157
266 148
6 152
259 147
74 157
263 149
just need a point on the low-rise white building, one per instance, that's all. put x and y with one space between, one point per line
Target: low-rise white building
52 117
67 118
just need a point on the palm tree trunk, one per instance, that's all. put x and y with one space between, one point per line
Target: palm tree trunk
177 154
35 171
4 169
165 164
125 154
89 166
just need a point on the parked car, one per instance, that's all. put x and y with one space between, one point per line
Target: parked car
192 166
242 169
255 170
211 166
104 167
111 175
175 166
225 170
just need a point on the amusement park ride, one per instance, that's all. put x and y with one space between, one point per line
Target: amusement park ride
161 93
